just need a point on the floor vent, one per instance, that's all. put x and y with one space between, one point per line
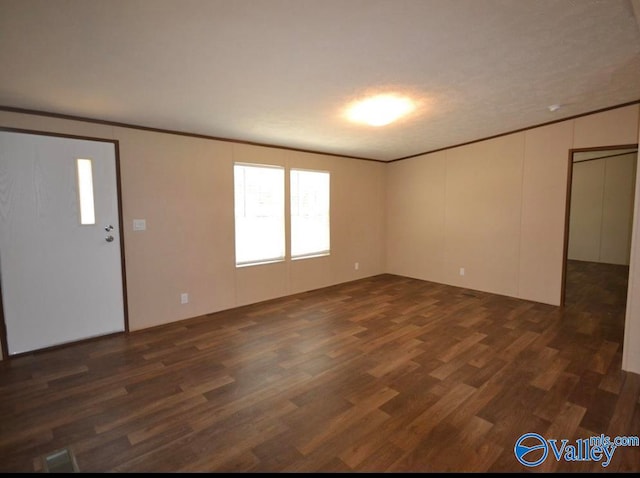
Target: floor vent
60 461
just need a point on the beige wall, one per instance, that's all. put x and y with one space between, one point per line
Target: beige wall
631 348
183 187
495 208
602 193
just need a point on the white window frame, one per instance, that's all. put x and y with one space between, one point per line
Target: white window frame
318 252
280 257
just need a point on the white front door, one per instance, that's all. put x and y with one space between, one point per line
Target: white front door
61 280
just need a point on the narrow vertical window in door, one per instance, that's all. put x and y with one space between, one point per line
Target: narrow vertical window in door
85 192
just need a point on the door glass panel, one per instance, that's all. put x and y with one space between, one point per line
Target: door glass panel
85 192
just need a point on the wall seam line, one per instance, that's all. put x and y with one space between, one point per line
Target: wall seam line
519 269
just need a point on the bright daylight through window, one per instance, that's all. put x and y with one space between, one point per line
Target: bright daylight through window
85 191
310 224
259 213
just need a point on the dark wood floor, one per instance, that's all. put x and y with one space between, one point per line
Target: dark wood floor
381 374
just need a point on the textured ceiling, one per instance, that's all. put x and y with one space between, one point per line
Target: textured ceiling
280 72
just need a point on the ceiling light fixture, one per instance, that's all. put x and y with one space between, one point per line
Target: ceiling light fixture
553 108
380 110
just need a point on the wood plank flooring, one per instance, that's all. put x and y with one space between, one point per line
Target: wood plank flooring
383 374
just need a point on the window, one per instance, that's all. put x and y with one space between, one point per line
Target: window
85 191
259 213
309 213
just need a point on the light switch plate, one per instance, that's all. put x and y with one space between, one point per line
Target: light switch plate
139 224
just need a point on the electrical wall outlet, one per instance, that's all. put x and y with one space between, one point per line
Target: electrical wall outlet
184 298
462 271
356 266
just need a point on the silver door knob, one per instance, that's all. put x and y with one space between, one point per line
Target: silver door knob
108 228
109 238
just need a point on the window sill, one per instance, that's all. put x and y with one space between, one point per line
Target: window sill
258 263
311 256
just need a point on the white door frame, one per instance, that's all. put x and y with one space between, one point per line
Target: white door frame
116 147
567 213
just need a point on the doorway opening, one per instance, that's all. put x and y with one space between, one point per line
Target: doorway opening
599 222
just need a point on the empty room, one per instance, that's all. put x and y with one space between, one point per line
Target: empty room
319 236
